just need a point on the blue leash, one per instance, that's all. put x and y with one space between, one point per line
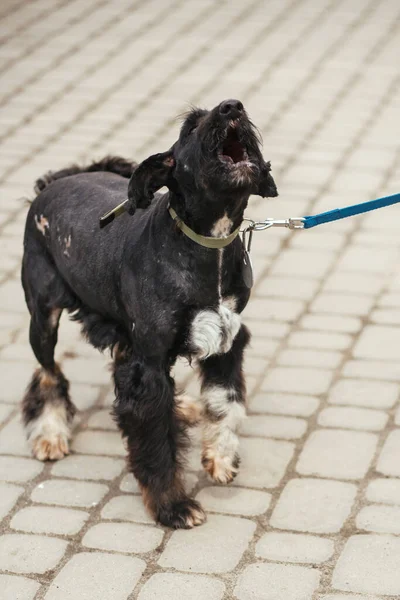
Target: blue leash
349 211
325 217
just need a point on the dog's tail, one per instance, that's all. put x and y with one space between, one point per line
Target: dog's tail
112 164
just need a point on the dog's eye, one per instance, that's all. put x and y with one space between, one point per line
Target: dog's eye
193 129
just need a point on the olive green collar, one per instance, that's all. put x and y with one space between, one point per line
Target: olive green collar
203 240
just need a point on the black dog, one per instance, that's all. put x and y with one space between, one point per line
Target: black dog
144 289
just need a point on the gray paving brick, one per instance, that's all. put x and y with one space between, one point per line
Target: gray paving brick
381 519
126 508
235 501
99 442
19 469
216 547
168 586
291 547
21 553
272 426
18 588
371 394
88 467
388 463
314 505
269 581
48 519
386 491
123 537
284 404
9 495
90 575
337 453
353 418
69 493
369 564
263 462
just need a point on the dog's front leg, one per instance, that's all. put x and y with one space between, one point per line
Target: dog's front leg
223 393
147 414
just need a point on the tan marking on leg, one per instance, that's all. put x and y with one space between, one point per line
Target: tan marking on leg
189 409
220 443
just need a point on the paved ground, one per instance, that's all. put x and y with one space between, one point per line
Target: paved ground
315 513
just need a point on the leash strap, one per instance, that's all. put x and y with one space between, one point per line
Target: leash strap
349 211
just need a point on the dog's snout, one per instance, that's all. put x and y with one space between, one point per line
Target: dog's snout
231 108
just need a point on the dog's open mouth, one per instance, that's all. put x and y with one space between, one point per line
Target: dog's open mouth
232 151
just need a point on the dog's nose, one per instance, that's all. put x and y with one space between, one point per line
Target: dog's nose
231 108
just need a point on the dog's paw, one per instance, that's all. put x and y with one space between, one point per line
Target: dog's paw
50 448
183 514
221 469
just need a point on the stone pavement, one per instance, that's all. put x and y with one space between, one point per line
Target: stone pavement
315 512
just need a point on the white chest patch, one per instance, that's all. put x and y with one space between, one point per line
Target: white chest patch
213 331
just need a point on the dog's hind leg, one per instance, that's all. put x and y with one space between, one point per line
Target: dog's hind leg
47 410
223 395
147 414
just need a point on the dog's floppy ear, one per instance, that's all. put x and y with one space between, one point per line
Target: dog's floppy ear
152 174
266 185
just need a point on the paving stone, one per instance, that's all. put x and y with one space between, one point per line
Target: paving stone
284 404
331 323
292 547
66 492
13 468
371 369
123 537
46 519
369 564
94 575
83 395
30 553
102 420
381 519
129 484
5 411
371 394
342 304
314 505
310 358
270 582
18 588
276 427
99 442
15 377
9 495
388 462
215 547
169 586
88 467
126 508
263 462
338 454
319 340
234 501
378 342
353 418
386 491
283 287
12 439
85 370
301 381
346 597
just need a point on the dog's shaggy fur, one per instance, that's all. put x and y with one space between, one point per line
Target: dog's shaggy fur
143 289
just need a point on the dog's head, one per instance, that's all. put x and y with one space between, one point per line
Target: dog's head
217 157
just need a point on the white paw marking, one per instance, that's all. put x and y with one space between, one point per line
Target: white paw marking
48 435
